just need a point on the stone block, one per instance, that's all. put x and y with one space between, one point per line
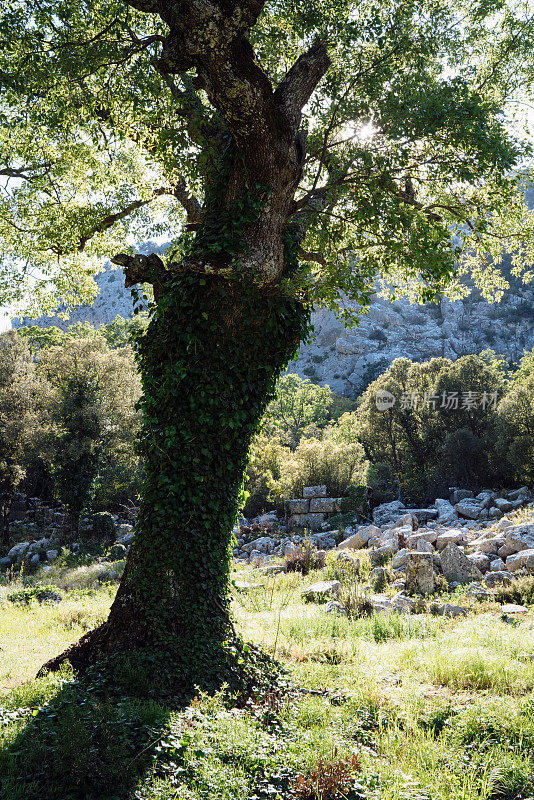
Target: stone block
499 578
298 506
519 560
454 535
321 590
422 515
314 491
468 508
419 573
325 505
311 521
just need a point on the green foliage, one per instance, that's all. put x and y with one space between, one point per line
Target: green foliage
407 86
521 592
297 405
81 745
38 593
103 525
22 418
276 473
76 456
198 419
95 421
426 442
516 416
355 500
403 168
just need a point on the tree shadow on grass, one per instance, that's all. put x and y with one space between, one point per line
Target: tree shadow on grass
82 744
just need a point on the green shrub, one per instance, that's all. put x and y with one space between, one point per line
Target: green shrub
103 525
521 592
509 781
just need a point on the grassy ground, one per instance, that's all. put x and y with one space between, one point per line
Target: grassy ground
394 707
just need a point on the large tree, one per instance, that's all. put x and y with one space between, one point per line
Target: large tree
292 151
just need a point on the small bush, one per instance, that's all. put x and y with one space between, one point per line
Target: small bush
25 596
379 581
521 593
441 585
344 570
103 525
354 604
329 780
303 559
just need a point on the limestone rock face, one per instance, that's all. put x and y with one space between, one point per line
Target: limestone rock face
347 360
456 566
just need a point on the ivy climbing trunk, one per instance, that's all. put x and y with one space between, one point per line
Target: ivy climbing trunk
209 362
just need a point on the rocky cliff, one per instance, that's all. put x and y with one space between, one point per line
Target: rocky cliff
348 359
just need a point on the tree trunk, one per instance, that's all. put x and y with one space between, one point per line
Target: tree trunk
209 363
6 498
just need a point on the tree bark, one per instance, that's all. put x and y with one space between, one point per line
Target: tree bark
6 499
209 363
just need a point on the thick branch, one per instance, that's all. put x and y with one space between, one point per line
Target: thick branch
296 88
140 269
188 202
213 38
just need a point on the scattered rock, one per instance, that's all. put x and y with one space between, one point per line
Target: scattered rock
333 607
423 515
450 610
498 578
18 550
243 586
480 560
262 545
453 535
456 566
477 591
446 512
388 512
404 603
469 508
456 495
503 505
321 590
520 560
419 573
273 569
381 603
385 551
512 608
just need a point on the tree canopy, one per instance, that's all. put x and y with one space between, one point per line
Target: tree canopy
112 125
